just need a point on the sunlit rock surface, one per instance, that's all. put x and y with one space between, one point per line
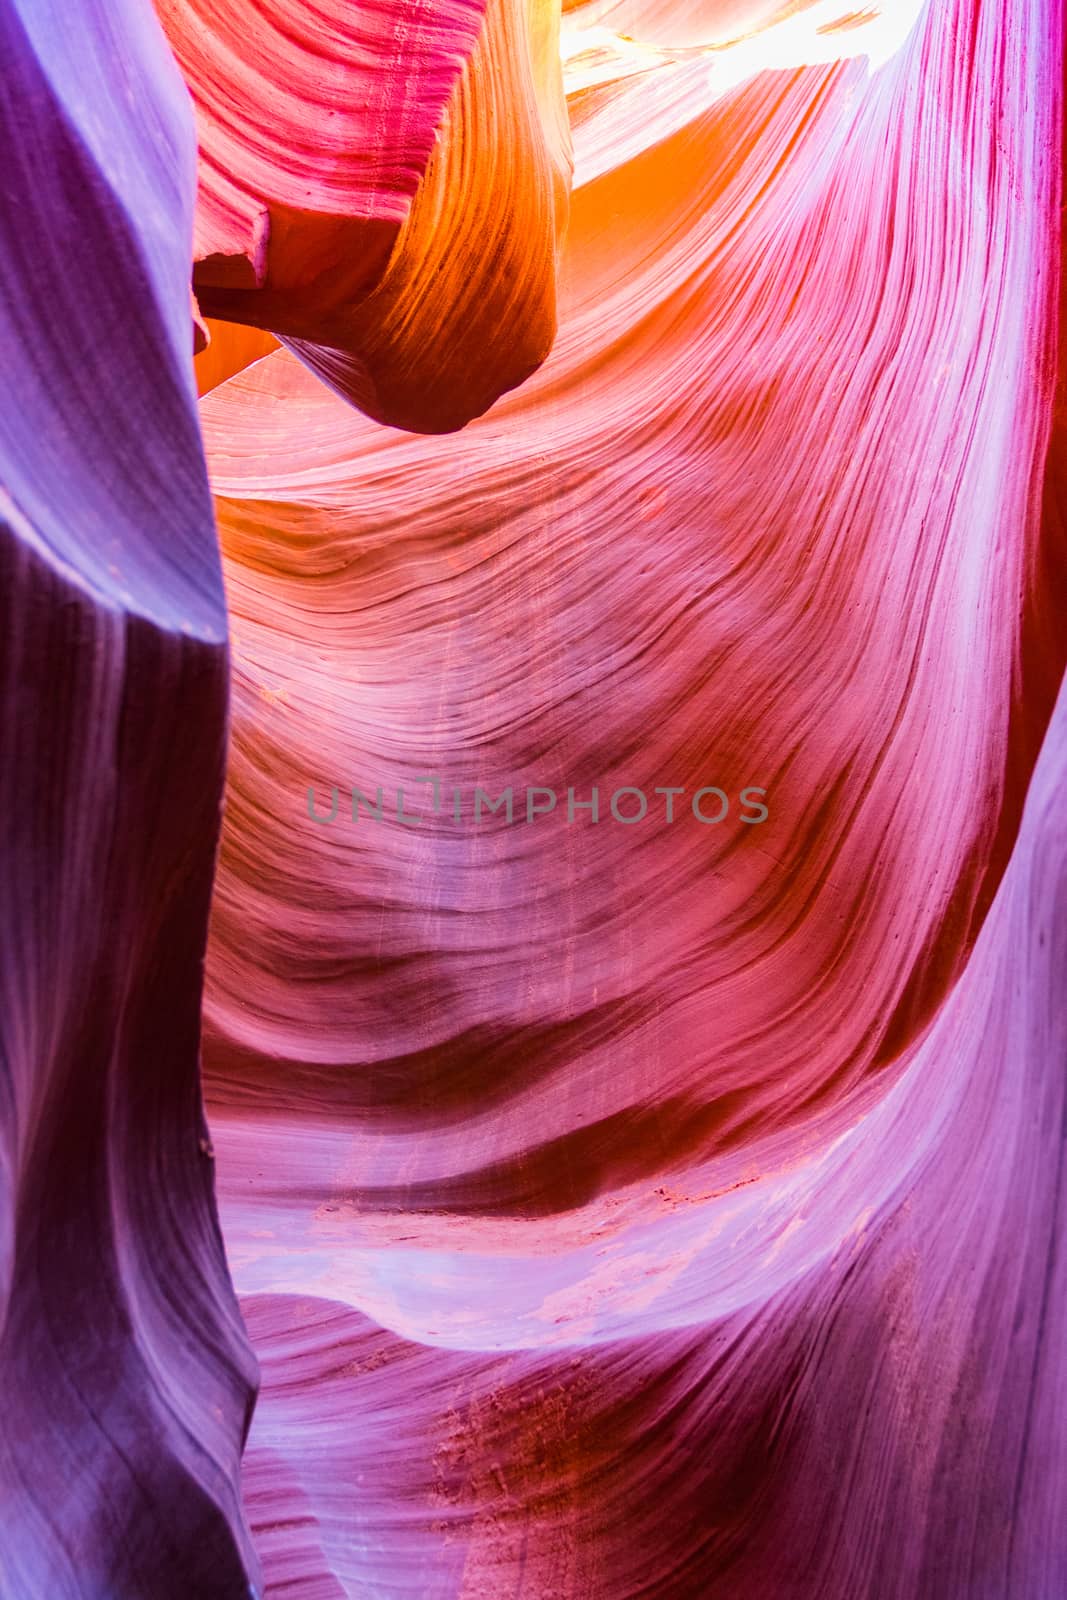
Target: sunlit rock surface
668 1209
653 1208
386 187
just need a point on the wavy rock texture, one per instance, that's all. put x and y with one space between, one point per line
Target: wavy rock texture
127 1380
399 220
665 1209
668 1210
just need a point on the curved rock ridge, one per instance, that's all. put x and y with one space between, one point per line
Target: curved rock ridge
324 110
792 532
126 1378
629 969
668 1209
884 1421
398 219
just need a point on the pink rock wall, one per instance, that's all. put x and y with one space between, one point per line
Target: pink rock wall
619 1206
